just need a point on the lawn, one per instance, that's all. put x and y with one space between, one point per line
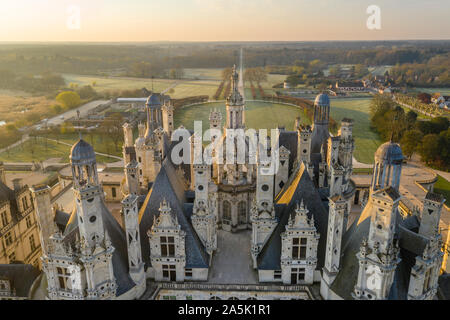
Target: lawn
37 149
442 186
118 83
100 142
366 141
258 115
203 73
195 88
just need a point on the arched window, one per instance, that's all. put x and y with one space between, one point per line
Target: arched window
226 211
214 298
242 212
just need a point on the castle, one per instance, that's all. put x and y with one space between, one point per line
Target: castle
297 215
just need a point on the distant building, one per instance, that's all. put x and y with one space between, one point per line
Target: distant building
19 234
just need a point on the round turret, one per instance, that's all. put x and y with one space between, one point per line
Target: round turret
82 152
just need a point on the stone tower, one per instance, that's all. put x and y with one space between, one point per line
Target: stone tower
41 197
431 215
235 105
304 144
379 255
130 216
204 217
148 146
388 166
338 213
167 118
263 210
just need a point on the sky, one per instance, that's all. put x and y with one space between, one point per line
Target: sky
222 20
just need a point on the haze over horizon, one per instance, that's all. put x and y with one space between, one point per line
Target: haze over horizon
220 20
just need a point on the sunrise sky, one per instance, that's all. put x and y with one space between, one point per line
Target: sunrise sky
221 20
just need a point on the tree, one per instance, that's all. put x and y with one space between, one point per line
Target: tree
409 142
69 99
113 128
429 148
87 92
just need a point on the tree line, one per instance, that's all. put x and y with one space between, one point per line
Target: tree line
429 138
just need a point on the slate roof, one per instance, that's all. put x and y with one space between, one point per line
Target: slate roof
118 240
300 187
288 139
168 186
444 287
82 151
410 242
20 276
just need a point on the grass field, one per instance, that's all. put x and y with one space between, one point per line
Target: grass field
99 142
366 141
117 83
442 91
16 105
442 186
258 115
39 150
195 88
203 73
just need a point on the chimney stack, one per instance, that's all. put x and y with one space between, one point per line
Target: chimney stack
17 183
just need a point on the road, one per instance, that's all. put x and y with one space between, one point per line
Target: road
84 109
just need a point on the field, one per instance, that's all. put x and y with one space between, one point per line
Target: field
442 91
442 186
117 83
203 74
39 150
16 105
258 115
267 115
366 141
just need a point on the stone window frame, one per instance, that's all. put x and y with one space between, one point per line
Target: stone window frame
63 276
9 239
28 221
299 273
226 211
167 269
4 217
12 257
277 274
32 242
188 273
299 249
242 210
167 244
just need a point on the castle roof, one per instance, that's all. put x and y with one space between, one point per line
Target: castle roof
153 101
118 241
389 152
300 188
81 152
322 100
169 186
410 242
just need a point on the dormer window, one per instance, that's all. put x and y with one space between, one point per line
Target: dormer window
167 246
299 248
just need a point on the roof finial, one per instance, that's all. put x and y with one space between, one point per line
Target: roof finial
79 126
